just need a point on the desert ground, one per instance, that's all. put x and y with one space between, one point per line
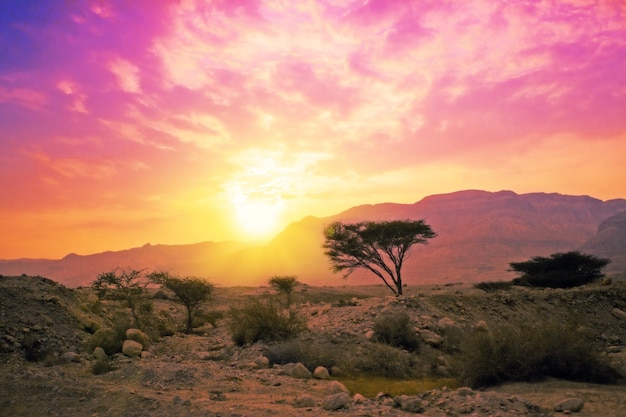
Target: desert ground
206 374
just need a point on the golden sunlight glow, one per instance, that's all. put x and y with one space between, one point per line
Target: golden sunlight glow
257 218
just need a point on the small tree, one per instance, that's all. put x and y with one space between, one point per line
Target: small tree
559 270
284 284
128 285
379 247
192 292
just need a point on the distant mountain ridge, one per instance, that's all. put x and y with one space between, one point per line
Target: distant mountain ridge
479 233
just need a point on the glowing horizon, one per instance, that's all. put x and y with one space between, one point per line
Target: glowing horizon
177 122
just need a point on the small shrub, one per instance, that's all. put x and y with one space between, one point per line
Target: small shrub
384 361
203 317
264 320
531 352
396 330
35 350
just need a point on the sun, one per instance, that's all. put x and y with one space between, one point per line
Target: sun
257 219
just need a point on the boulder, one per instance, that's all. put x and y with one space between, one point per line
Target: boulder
99 354
431 338
408 404
131 348
336 387
107 339
321 373
305 401
569 405
138 336
296 370
336 401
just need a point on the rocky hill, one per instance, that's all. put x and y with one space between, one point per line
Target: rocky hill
206 374
609 242
479 234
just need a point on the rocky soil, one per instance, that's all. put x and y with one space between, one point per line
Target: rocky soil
46 361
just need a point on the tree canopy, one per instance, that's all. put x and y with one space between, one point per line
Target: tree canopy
284 284
379 247
125 284
559 270
192 292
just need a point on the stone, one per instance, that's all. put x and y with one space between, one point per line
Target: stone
408 404
572 405
481 326
431 338
262 362
100 354
305 401
132 348
138 336
296 370
358 399
336 387
336 401
321 373
445 323
619 313
107 339
369 334
70 357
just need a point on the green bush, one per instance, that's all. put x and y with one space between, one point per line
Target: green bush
526 352
395 329
355 359
384 361
263 320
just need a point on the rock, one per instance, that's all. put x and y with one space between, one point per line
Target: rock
107 339
614 349
336 401
619 313
408 404
358 399
305 401
369 334
481 326
131 348
100 354
145 354
445 323
336 387
572 405
321 373
70 357
262 362
431 338
138 336
296 370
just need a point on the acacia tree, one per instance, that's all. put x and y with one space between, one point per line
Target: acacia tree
126 284
379 247
284 284
192 292
559 270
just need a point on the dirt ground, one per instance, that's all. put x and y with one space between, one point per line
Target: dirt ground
205 374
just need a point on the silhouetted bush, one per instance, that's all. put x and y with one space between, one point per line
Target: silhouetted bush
311 353
494 286
396 330
559 270
263 320
526 352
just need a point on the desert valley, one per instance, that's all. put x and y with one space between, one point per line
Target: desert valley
335 359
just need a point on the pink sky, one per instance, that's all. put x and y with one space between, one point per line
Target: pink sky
127 122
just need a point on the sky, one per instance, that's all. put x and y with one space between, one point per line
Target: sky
173 122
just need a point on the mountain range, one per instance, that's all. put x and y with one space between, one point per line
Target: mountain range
478 234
